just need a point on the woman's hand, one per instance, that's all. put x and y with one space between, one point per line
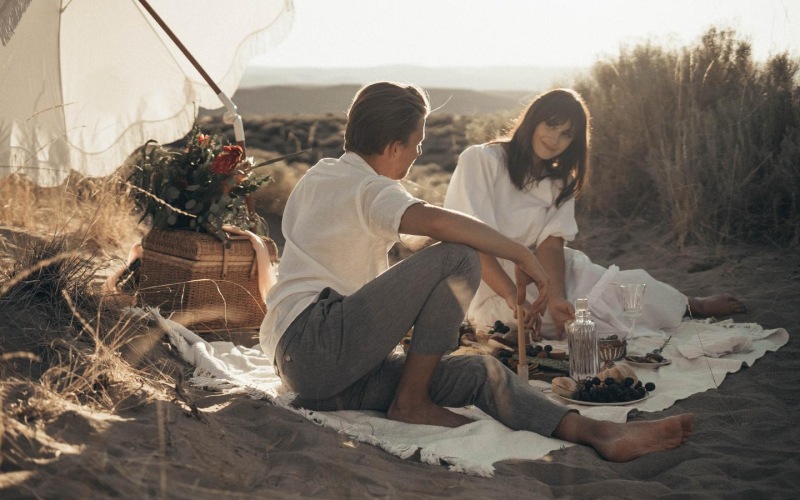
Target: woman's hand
530 321
562 311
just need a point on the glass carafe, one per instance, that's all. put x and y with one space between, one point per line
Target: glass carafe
582 340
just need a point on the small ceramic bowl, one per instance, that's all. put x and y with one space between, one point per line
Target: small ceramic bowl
612 349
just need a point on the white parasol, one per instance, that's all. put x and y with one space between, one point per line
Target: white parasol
85 82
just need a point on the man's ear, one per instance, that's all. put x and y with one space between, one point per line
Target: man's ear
393 148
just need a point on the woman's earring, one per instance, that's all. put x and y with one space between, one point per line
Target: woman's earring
555 163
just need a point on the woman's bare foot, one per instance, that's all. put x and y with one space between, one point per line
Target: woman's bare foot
625 442
723 304
426 413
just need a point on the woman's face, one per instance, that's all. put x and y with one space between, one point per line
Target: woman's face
549 141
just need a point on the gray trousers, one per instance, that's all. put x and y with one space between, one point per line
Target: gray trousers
339 354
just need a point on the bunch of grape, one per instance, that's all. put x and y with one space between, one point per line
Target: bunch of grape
535 351
499 327
594 390
504 355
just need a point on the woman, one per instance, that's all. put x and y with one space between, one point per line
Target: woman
525 186
337 313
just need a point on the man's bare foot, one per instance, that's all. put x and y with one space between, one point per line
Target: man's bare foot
426 413
625 442
723 304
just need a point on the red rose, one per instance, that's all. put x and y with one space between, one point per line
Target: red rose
227 160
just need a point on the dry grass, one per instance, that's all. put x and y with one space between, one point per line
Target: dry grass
271 199
66 348
97 211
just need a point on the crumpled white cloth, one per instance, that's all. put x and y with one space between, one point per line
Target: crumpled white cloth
472 448
719 339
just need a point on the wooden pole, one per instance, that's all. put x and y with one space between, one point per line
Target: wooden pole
522 368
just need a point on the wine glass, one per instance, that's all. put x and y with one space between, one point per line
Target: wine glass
630 297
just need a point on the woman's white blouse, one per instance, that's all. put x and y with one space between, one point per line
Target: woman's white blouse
481 187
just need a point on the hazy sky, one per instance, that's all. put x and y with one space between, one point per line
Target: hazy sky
349 33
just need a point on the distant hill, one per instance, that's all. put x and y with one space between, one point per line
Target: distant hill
529 79
308 99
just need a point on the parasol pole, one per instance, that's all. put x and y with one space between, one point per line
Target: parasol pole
231 117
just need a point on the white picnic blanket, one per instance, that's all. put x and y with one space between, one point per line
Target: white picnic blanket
475 447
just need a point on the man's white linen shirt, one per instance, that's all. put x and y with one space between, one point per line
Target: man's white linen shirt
339 223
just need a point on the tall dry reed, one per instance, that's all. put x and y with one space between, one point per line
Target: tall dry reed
702 140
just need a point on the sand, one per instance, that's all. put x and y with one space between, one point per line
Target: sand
745 446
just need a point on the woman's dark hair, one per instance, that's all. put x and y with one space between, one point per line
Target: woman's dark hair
382 113
555 107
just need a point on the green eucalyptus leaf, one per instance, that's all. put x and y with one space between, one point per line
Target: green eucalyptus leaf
190 204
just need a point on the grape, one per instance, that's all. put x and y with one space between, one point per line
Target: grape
650 387
596 381
548 348
628 382
610 381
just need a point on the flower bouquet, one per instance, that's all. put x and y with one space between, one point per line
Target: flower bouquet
200 188
215 278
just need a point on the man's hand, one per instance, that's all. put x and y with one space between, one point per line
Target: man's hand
529 272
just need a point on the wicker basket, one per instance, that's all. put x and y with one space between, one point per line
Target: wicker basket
211 286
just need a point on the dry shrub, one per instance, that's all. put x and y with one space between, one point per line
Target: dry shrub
485 128
64 346
428 182
271 199
702 140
